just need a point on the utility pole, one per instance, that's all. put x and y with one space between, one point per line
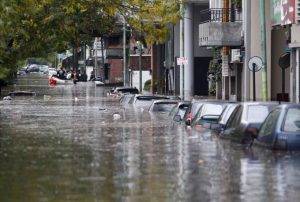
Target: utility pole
247 34
140 65
263 49
124 52
181 52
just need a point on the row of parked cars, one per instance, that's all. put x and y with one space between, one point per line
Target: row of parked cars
267 124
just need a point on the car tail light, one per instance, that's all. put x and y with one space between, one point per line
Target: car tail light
251 132
188 119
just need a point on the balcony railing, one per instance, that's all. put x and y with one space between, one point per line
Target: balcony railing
220 15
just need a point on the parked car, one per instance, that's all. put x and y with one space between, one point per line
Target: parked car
43 68
125 99
52 71
208 113
178 111
164 105
118 91
281 129
193 109
98 81
33 68
245 120
223 119
145 101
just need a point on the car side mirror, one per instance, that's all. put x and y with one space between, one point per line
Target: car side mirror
177 118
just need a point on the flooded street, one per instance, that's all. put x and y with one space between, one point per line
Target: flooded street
64 145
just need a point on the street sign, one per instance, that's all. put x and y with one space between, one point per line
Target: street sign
255 63
284 61
182 61
97 45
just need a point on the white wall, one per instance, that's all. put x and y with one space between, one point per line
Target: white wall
136 78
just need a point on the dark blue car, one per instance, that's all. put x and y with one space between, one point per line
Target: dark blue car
281 129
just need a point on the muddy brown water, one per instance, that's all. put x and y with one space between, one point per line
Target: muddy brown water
64 145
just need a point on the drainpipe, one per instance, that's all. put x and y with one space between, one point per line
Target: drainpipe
263 49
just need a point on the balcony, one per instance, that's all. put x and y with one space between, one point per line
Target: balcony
113 53
220 27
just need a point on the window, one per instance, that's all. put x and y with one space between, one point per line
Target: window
235 119
227 113
163 107
257 114
292 120
270 123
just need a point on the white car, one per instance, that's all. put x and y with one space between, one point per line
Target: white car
52 71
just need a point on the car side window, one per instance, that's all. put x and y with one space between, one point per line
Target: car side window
270 123
235 117
292 120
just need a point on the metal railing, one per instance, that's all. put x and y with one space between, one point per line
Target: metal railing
220 15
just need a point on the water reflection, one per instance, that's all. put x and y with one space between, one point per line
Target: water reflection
57 148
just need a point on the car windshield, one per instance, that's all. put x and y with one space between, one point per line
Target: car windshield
128 90
257 114
211 109
227 113
163 107
143 103
292 120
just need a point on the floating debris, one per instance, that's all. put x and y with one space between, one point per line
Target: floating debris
7 98
116 116
22 93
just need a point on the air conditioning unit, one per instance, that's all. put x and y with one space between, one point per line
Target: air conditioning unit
235 55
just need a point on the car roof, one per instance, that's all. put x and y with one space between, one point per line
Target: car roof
165 101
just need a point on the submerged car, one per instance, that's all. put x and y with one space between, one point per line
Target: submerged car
281 129
145 101
98 81
208 113
223 119
118 91
193 109
245 120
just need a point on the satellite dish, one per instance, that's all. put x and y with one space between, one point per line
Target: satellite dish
255 63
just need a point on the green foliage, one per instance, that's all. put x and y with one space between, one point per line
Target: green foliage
34 28
215 67
213 88
147 85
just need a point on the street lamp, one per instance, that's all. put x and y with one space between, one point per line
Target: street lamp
140 51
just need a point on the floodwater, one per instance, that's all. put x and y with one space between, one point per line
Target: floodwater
66 145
